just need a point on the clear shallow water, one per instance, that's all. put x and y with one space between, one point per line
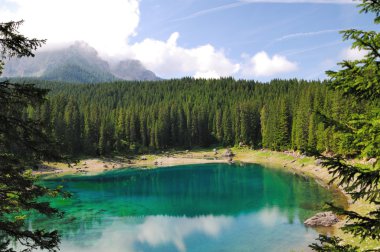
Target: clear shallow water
213 207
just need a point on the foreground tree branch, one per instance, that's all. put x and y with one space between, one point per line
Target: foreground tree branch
23 145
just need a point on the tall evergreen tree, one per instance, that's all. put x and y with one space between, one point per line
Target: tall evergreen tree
359 79
264 114
282 126
138 114
23 144
72 128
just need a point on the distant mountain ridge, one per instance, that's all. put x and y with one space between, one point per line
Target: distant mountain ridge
76 63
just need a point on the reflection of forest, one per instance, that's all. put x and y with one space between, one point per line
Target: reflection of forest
193 190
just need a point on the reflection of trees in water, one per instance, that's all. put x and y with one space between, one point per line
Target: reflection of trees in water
300 196
295 196
186 191
72 227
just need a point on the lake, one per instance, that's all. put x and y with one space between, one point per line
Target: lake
208 207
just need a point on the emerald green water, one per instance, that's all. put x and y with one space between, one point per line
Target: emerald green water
213 207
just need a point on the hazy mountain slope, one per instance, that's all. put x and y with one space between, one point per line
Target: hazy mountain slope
76 73
76 63
132 70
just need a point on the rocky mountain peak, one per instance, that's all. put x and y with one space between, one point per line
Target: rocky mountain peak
78 62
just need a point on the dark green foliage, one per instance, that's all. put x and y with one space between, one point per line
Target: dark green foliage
131 117
23 144
14 44
361 77
360 132
332 244
77 73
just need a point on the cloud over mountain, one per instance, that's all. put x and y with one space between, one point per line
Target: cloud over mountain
166 58
214 34
105 25
78 62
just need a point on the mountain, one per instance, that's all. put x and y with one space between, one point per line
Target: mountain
76 63
132 70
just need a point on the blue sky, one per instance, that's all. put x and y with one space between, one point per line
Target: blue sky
253 39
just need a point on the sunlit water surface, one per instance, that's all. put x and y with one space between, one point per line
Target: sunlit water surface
213 207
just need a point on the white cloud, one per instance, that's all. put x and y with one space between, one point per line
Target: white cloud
310 49
307 34
207 75
353 54
212 10
245 2
152 231
261 65
160 230
167 59
106 25
269 216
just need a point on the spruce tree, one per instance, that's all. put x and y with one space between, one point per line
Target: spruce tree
359 79
23 144
282 129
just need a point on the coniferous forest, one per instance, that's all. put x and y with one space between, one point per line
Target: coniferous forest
332 120
141 117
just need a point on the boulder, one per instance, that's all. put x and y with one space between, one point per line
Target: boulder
372 161
228 153
318 161
325 219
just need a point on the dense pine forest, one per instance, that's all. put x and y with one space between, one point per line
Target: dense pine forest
140 117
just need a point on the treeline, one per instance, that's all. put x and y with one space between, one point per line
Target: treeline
136 117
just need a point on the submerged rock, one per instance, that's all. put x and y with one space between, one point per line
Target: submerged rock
325 219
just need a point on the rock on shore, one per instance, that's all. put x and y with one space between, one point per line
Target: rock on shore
325 219
228 153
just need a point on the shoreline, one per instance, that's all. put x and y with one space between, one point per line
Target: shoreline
287 161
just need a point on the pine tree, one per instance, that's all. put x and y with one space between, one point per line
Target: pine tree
227 128
312 134
120 131
302 123
282 128
23 144
246 126
138 114
359 79
264 126
72 128
218 128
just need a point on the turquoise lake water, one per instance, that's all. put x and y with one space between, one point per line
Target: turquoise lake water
212 207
